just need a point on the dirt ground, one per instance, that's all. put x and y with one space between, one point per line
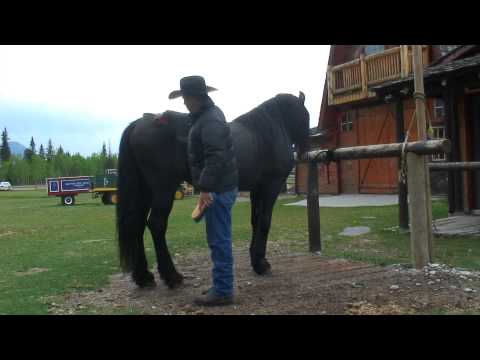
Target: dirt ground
301 283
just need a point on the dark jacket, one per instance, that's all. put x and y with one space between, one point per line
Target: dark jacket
210 151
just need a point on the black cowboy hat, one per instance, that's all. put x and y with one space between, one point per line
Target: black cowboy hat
191 85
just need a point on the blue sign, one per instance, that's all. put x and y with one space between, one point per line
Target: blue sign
75 184
53 186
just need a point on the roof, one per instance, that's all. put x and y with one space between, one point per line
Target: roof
434 71
453 55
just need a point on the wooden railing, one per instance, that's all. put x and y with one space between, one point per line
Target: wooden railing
383 66
350 81
347 77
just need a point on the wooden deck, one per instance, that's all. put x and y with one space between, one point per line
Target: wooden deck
458 225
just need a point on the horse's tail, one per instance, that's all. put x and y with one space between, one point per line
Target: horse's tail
130 210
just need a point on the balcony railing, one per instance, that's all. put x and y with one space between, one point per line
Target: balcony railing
350 81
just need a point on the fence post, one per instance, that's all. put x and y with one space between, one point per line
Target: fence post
421 227
419 177
313 208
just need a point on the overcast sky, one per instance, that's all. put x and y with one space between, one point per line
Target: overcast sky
80 96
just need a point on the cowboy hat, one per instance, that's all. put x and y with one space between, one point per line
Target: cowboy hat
191 85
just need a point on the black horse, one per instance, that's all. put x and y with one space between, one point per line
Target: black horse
153 162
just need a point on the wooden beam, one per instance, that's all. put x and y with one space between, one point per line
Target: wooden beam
454 166
428 147
363 72
313 209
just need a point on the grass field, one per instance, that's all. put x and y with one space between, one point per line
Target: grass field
48 250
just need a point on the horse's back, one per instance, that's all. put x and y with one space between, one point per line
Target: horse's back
159 153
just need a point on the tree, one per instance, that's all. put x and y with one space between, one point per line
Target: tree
103 154
41 152
5 153
50 151
60 150
32 146
110 161
28 153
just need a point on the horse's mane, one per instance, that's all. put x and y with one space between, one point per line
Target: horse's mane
283 111
262 119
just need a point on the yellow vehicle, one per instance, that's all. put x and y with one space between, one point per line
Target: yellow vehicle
106 188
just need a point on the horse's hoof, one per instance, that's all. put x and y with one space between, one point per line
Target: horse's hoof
173 281
144 281
262 267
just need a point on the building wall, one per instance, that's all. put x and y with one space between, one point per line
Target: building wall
376 125
372 125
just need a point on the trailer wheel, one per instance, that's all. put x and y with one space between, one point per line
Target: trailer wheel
113 198
68 200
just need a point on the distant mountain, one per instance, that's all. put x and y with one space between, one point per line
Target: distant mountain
16 148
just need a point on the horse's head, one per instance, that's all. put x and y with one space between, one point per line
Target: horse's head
296 118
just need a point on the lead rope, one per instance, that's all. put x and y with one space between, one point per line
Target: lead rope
403 158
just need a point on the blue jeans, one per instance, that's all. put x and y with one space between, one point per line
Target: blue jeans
218 218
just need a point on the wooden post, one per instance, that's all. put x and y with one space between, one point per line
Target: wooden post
449 124
313 208
455 200
419 184
402 187
329 85
363 72
421 227
405 60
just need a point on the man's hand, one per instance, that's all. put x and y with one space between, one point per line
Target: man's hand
205 200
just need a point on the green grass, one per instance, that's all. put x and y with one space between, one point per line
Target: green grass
76 246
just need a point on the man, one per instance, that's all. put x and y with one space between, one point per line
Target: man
214 172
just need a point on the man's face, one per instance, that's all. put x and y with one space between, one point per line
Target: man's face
191 103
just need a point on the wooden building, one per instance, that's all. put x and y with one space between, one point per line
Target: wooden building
368 100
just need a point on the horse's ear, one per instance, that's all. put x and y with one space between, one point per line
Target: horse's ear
302 97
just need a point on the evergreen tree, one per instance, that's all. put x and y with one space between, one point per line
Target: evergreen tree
5 153
41 152
32 146
110 162
103 154
60 150
50 151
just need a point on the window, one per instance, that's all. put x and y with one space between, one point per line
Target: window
439 110
347 121
373 49
438 133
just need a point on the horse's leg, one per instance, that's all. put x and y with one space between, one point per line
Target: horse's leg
157 223
262 201
140 273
